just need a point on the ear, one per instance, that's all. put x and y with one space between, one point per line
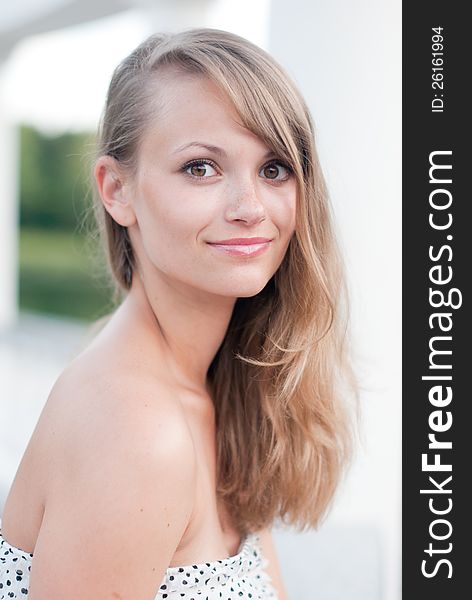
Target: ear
110 178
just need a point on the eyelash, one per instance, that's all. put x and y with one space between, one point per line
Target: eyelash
200 161
207 161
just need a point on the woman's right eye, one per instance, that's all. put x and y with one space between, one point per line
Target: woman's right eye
200 169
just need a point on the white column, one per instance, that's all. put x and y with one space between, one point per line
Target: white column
9 220
346 57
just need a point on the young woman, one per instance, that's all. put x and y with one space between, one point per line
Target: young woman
214 401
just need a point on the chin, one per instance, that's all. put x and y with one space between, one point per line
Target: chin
244 287
249 293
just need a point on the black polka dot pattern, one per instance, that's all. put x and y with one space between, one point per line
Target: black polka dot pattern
15 567
238 577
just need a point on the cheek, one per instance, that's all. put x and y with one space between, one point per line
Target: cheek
283 213
168 218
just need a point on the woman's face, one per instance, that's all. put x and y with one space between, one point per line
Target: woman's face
214 208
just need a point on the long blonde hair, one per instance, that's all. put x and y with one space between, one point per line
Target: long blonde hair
282 381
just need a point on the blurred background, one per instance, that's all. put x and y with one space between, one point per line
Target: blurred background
56 59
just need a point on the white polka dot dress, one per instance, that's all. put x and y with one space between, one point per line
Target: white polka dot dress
239 577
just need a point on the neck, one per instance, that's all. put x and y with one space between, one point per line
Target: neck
189 324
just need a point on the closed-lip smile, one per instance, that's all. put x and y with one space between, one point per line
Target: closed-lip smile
251 246
242 241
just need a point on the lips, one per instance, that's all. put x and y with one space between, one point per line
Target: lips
242 241
242 246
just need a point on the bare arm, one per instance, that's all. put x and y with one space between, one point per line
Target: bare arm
273 568
114 519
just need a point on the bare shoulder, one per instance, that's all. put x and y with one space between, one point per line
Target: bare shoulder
106 411
122 500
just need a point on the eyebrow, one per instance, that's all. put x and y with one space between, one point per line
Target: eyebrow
211 148
208 147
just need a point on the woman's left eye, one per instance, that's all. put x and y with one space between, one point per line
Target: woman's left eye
275 171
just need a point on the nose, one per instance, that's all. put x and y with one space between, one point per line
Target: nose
245 206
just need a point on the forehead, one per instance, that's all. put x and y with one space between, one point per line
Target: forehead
189 107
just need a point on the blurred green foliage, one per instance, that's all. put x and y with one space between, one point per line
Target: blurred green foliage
54 178
58 275
61 268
